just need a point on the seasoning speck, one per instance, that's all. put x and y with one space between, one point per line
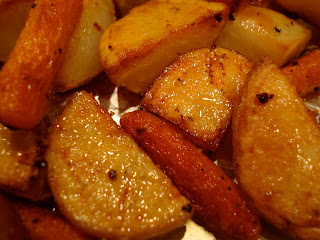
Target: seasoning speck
263 97
112 174
187 208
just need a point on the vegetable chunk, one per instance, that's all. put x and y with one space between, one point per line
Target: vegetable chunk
135 49
216 198
197 92
277 153
103 182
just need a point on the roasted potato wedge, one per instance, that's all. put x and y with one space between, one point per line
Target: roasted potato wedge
13 15
81 61
27 76
304 73
276 152
135 49
22 171
197 92
42 224
215 197
258 32
103 182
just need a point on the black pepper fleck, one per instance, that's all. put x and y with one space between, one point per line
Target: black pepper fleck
263 97
180 80
187 208
277 29
316 89
112 174
218 18
60 50
33 5
41 164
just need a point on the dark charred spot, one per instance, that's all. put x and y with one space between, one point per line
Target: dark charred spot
201 169
35 220
218 17
229 188
41 164
110 47
140 130
180 80
60 50
295 63
263 97
271 96
177 110
26 77
112 174
98 27
316 89
190 119
176 8
277 29
231 17
33 5
182 117
187 208
222 177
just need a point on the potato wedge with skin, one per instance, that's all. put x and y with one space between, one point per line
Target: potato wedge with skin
13 15
276 152
261 32
103 182
135 49
304 73
216 198
22 171
81 61
197 92
27 76
43 224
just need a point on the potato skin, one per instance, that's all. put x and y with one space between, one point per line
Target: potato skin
136 48
304 72
27 76
215 197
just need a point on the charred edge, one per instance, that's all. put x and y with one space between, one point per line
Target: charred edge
41 164
218 17
231 17
187 208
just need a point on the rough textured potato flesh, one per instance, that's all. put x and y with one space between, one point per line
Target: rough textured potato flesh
135 49
42 224
13 15
103 182
277 153
21 172
215 197
197 92
259 32
27 76
81 61
304 72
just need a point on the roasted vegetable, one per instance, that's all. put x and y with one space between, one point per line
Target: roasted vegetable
277 153
103 182
216 198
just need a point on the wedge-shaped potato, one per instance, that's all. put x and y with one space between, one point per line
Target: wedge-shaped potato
259 32
22 170
135 49
27 76
309 9
304 73
42 224
277 152
103 182
216 198
13 15
197 92
81 61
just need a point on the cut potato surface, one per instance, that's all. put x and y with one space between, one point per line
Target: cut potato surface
260 32
277 153
197 92
135 49
81 61
103 182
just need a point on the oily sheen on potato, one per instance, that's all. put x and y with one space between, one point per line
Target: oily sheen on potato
276 152
135 49
198 91
260 32
103 182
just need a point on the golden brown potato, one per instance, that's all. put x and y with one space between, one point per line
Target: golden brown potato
135 49
22 171
304 73
197 92
215 197
309 9
81 61
42 224
13 15
259 32
277 152
103 182
26 78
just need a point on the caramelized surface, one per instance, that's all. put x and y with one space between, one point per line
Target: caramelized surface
197 92
103 182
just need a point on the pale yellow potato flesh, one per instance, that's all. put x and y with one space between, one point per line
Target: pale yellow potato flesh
260 32
81 60
103 182
198 91
13 15
135 49
277 153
